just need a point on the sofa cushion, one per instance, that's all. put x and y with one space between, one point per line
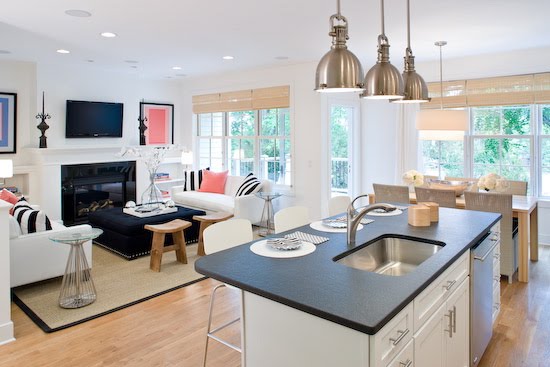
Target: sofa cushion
8 196
192 179
232 185
206 200
15 230
30 220
250 185
213 182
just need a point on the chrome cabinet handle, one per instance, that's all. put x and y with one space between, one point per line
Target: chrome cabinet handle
407 363
454 319
450 284
402 334
450 330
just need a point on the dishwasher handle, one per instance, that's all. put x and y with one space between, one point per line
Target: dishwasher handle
484 255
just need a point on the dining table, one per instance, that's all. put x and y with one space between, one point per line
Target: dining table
525 209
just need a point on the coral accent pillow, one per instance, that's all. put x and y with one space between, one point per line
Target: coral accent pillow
213 181
9 197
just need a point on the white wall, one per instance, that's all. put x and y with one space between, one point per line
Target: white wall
305 113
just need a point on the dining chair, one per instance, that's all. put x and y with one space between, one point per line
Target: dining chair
338 204
291 217
473 181
391 193
445 198
499 203
217 237
516 188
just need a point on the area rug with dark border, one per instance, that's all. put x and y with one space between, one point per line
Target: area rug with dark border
119 283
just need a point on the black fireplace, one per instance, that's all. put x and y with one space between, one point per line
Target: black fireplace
87 188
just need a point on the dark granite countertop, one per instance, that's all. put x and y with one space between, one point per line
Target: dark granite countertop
357 299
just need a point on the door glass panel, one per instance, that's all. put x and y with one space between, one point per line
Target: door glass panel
341 118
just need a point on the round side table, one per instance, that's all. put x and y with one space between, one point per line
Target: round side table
267 214
77 287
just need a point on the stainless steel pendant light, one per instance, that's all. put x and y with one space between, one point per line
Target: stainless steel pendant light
415 88
383 80
339 70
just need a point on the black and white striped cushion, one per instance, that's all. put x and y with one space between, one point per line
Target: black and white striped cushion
192 180
250 185
29 219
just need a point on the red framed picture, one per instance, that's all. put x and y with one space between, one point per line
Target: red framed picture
156 123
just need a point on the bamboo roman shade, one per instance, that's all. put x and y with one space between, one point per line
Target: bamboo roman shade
249 99
498 91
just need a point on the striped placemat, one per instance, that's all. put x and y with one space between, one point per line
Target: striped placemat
307 237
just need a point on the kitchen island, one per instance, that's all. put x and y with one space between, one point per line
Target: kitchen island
311 310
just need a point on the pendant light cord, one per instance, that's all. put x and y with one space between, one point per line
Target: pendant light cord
408 26
338 14
441 75
382 15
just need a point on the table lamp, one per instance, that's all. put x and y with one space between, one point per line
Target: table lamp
187 158
6 170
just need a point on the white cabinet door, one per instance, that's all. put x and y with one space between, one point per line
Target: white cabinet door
458 342
429 341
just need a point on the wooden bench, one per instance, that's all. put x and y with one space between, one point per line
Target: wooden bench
175 228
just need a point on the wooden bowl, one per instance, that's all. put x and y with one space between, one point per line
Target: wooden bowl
457 186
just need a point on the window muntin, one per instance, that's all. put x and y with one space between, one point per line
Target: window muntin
443 158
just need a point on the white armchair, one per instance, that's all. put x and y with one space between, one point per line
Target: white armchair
34 257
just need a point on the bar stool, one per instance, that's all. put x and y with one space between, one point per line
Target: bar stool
221 236
175 228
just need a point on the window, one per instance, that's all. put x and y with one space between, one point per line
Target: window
247 141
341 119
544 145
502 142
443 158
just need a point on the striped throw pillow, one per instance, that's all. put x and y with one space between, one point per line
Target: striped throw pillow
29 219
250 185
192 180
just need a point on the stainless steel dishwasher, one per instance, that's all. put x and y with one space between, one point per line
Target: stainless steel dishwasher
481 297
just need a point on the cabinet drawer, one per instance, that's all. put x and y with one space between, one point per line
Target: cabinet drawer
405 358
427 302
390 340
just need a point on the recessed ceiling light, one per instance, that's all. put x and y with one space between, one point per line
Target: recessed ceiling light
281 57
62 51
181 74
176 67
168 77
228 57
133 66
78 13
108 34
131 61
90 60
5 52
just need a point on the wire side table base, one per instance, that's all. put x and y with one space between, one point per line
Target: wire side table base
77 288
267 222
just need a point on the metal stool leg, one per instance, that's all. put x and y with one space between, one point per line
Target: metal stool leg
210 332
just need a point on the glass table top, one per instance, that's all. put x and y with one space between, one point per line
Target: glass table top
268 195
76 237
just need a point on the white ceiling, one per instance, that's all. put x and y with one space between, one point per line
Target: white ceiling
196 34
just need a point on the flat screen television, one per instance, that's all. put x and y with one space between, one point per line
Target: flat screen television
93 119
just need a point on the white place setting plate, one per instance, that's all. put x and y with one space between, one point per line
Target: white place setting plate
263 249
319 226
381 213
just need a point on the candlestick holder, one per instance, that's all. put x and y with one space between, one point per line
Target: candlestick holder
142 128
43 126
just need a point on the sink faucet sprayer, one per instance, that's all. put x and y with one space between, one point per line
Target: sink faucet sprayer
354 216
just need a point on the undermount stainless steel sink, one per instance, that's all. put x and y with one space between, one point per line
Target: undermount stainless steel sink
390 255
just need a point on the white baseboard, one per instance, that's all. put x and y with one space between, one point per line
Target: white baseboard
6 333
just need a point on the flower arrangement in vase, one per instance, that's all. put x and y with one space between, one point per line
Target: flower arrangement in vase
492 182
413 177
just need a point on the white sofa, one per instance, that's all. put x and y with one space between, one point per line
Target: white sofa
248 206
34 257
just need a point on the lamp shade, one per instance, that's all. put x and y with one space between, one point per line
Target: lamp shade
6 168
187 158
416 90
441 124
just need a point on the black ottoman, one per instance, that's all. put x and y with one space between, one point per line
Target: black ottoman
124 234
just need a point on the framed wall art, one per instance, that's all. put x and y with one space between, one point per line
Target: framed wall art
8 122
156 123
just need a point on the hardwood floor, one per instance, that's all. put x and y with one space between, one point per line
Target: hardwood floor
170 331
